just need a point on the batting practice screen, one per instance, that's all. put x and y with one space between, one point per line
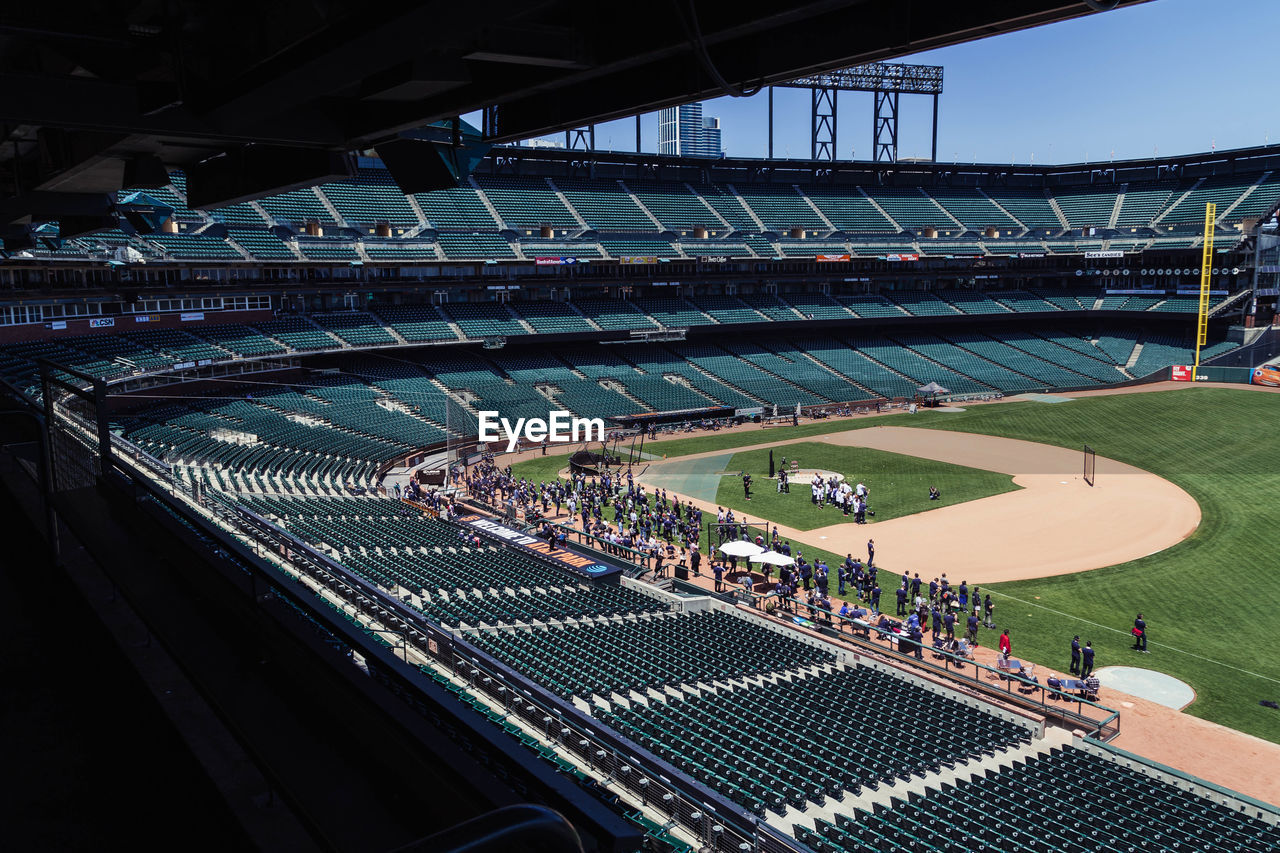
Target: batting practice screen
1090 462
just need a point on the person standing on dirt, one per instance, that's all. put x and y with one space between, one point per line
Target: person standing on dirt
1006 645
871 551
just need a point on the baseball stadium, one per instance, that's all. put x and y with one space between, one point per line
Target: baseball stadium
929 507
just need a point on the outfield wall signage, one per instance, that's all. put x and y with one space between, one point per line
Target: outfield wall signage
102 322
638 259
554 262
829 259
713 259
1100 255
1180 373
902 256
571 560
193 316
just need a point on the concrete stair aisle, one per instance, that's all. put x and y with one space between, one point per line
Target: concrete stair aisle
617 387
877 206
829 369
884 794
341 343
582 223
636 201
1177 202
778 376
590 322
244 253
814 207
715 217
328 205
954 370
877 363
423 224
1133 357
720 381
1115 208
1084 380
742 201
1263 178
1003 209
676 379
1057 210
524 324
938 205
488 205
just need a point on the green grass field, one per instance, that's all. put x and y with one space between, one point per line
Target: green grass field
1210 602
899 484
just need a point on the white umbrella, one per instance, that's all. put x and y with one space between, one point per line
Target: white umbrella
773 558
739 548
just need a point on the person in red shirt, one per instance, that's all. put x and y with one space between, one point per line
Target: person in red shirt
1006 645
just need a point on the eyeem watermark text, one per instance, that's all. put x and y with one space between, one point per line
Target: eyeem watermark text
558 427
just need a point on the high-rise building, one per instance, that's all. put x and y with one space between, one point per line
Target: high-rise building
683 131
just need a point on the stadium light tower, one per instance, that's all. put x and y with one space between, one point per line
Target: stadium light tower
886 81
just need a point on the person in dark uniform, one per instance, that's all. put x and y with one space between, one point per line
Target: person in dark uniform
1075 655
875 599
746 486
902 601
871 551
1087 654
949 622
988 609
1140 634
695 560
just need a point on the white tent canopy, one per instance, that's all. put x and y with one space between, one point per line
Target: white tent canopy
739 548
773 558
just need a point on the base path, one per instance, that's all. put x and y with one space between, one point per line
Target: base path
1055 524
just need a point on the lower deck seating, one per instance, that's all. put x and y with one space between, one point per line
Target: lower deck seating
636 654
729 740
1072 800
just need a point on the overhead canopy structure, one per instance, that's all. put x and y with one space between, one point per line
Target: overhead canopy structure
103 96
932 389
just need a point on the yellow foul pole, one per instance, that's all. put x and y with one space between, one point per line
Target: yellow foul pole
1206 279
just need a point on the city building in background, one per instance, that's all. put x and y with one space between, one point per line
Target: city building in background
683 131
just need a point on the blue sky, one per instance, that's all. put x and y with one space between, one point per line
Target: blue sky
1166 77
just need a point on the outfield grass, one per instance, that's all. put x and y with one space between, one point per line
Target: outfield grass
899 484
1210 602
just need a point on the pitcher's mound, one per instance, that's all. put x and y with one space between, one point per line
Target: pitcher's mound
1148 684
